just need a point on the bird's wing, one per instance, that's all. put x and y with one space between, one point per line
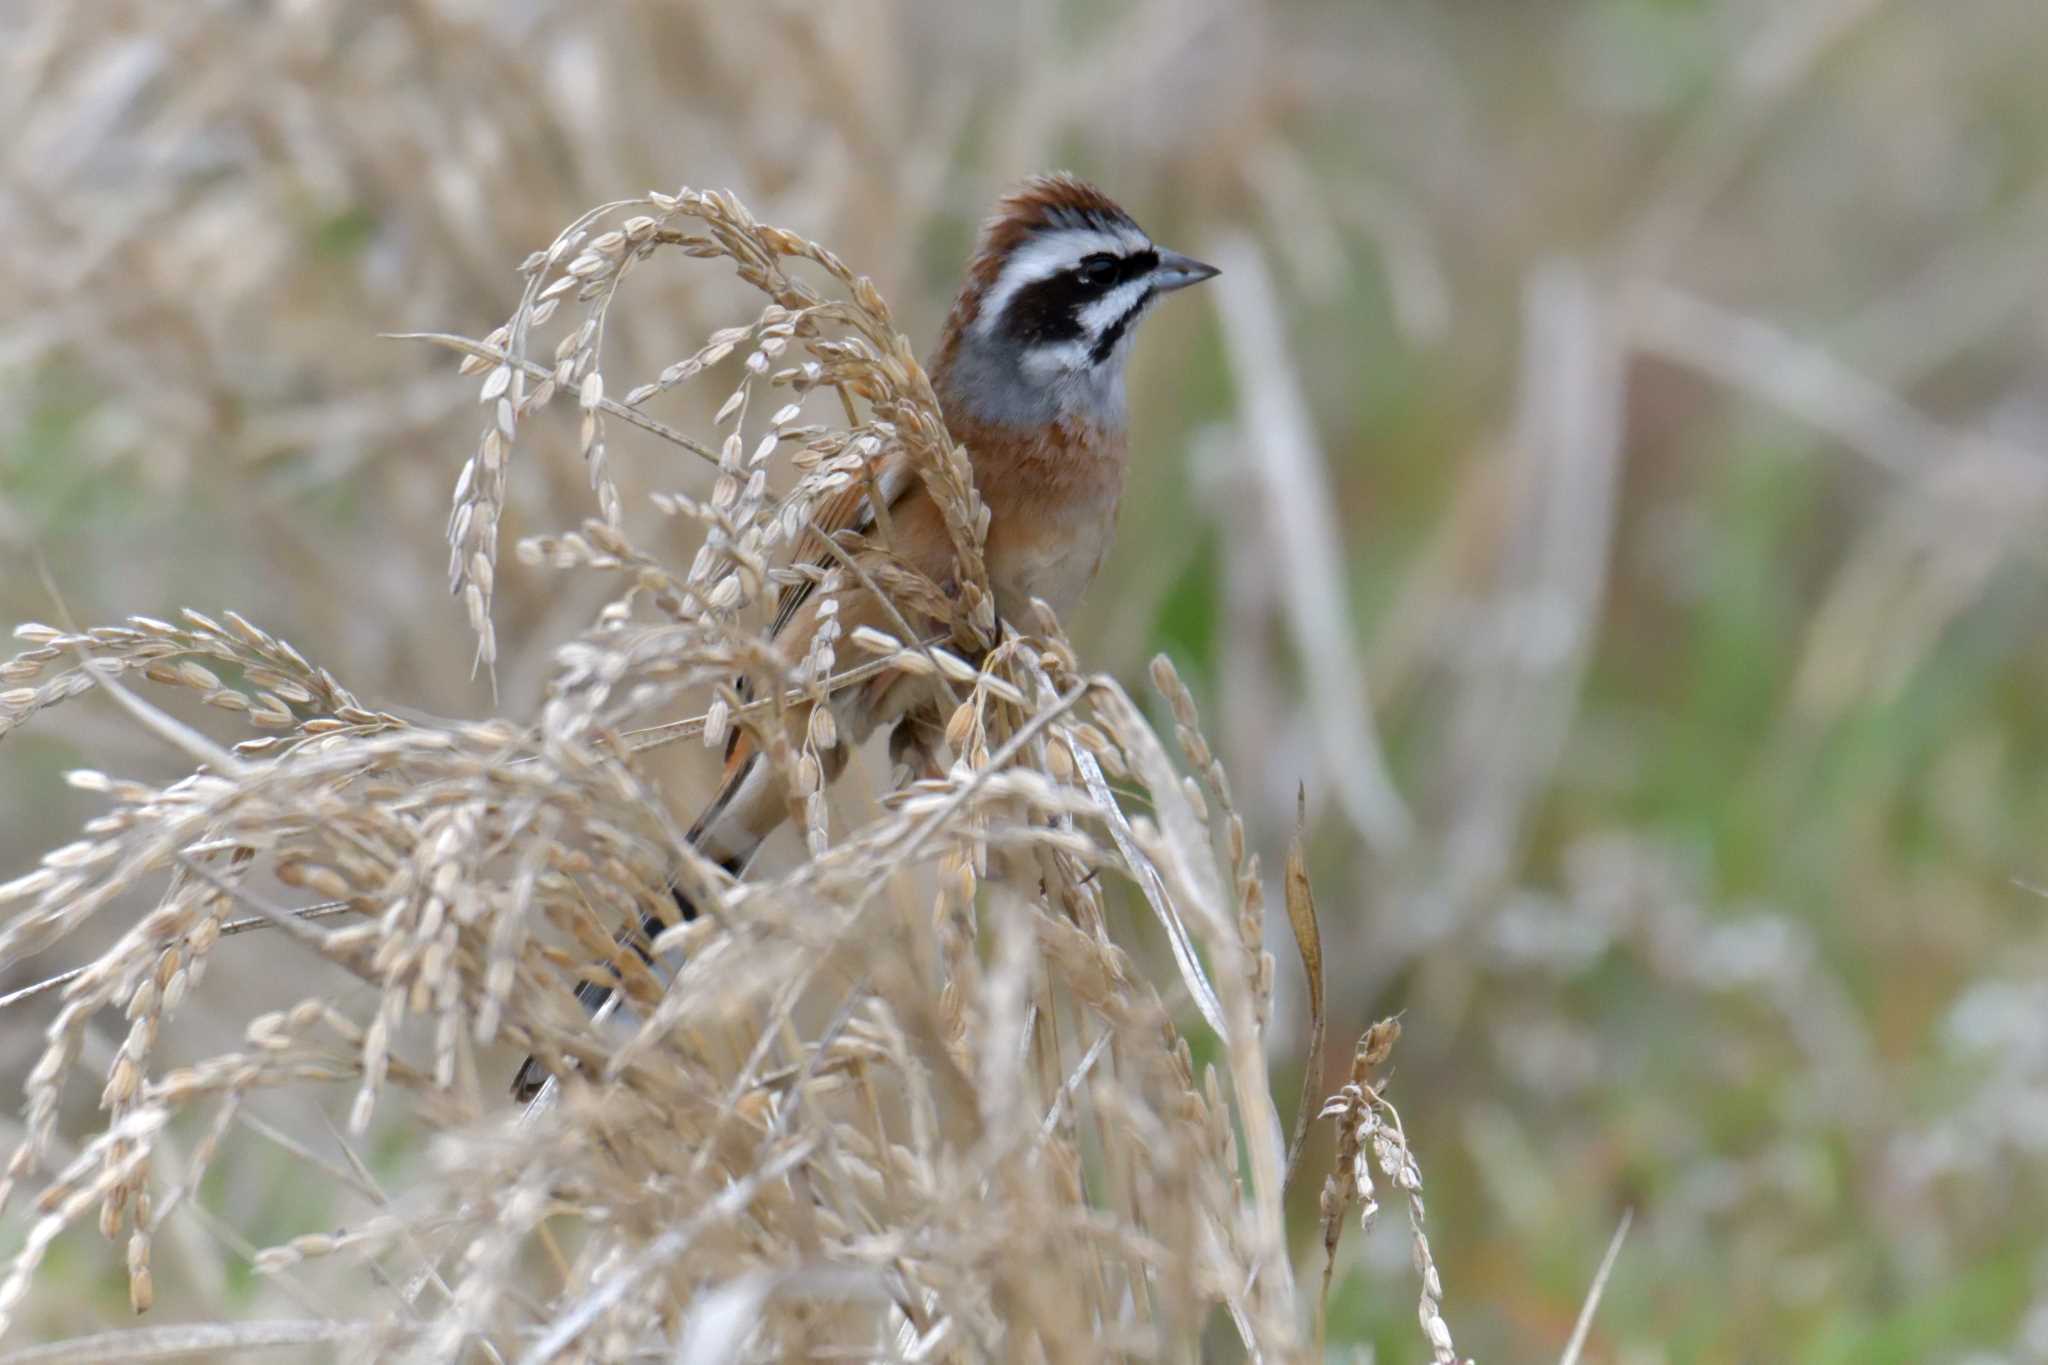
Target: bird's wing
849 508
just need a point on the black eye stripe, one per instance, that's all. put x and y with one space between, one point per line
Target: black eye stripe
1049 310
1121 269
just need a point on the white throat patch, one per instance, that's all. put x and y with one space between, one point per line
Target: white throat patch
1113 305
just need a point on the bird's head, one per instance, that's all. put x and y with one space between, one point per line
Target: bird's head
1060 278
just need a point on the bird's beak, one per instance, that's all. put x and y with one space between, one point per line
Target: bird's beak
1176 271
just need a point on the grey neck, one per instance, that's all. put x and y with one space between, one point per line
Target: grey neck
989 382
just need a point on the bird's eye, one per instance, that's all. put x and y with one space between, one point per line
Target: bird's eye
1098 269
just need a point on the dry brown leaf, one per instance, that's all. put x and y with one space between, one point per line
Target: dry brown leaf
1308 938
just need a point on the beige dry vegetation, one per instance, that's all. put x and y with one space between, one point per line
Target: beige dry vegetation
907 1099
1646 396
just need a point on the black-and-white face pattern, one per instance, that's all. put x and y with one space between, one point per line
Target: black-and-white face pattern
1060 313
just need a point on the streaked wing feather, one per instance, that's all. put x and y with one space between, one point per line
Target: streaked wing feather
847 509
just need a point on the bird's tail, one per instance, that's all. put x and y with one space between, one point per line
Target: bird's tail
739 818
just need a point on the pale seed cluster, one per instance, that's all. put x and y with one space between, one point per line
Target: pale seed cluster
911 1097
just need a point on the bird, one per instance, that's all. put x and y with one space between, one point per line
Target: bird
1029 373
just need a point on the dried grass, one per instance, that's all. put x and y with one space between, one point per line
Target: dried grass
1748 944
909 1098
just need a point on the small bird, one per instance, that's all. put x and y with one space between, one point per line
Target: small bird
1030 374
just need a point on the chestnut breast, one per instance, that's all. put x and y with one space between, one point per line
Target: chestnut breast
1052 500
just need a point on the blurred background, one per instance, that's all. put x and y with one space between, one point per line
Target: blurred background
1609 474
